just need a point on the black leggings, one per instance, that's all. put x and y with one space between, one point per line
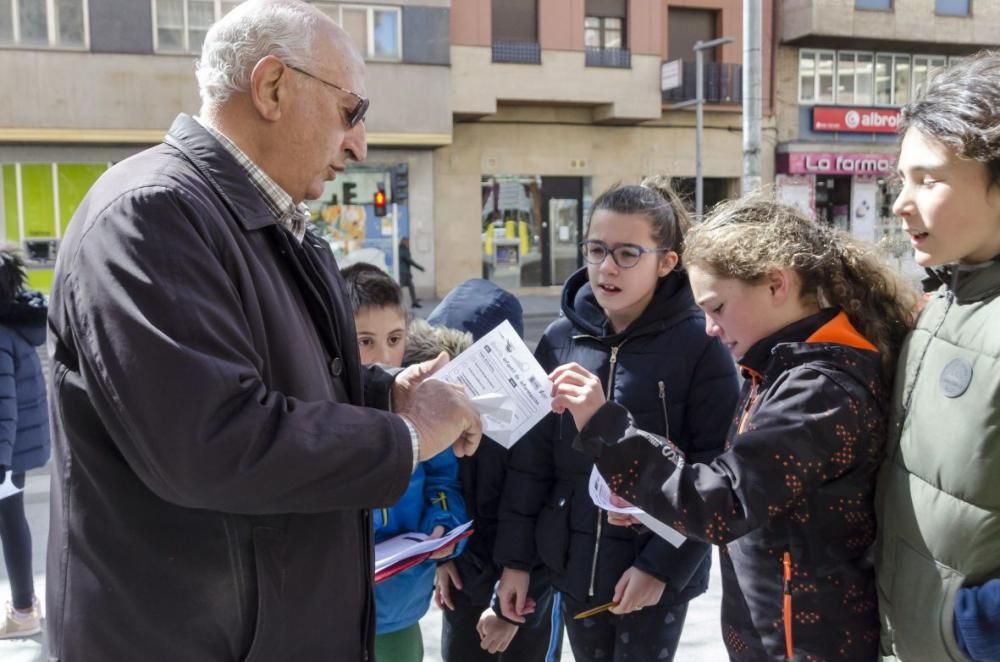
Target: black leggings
16 538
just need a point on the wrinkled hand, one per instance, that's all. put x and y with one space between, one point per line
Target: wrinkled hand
635 590
444 552
495 634
512 592
621 519
445 577
443 416
408 380
576 390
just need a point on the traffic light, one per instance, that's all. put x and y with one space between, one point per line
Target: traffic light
379 202
400 183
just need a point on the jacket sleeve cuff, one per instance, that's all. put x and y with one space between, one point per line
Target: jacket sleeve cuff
609 424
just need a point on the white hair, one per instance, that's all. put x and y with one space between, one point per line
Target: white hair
250 32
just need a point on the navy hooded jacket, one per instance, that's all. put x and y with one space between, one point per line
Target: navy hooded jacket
24 417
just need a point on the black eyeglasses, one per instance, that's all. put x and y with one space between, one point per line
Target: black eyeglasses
356 114
625 256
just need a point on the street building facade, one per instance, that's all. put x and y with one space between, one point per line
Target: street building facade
843 69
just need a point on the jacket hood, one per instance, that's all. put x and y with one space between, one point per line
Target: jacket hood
671 303
26 313
969 282
478 306
424 342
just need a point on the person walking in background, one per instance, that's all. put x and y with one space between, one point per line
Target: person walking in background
815 320
406 261
24 433
471 630
630 324
432 503
939 488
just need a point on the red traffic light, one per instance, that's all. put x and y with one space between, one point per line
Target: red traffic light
379 202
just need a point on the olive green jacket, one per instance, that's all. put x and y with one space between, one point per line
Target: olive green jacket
938 498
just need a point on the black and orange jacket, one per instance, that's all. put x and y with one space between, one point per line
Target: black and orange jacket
789 502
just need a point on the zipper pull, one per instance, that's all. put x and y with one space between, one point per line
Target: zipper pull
663 392
614 355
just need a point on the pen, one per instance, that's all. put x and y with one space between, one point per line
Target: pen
596 610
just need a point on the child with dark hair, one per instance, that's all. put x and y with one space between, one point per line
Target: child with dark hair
630 330
815 320
471 631
432 504
24 433
939 488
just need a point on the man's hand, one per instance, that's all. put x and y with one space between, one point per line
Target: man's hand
443 416
512 592
635 590
621 519
495 634
406 382
576 390
445 577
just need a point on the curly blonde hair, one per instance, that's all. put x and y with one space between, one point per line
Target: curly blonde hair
745 239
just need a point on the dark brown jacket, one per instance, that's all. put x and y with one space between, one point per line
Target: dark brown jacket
213 463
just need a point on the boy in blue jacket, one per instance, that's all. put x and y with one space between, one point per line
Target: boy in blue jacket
432 504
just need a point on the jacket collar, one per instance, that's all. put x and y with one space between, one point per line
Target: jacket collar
222 171
970 282
829 326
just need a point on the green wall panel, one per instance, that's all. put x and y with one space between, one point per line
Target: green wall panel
10 203
38 198
75 179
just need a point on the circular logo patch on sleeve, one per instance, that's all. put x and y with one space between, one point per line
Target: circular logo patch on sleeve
956 377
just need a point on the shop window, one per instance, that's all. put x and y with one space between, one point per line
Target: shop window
952 7
816 76
43 23
376 31
925 67
180 26
873 4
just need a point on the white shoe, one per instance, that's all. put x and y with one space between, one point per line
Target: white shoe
19 624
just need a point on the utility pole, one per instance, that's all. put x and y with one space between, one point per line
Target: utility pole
699 184
752 95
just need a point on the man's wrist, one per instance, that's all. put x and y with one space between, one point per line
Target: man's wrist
414 441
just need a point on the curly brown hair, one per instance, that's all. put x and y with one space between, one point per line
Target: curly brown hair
746 238
961 109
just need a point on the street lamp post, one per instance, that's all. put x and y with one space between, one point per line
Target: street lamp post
699 102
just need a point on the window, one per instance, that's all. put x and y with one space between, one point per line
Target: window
43 23
892 79
873 4
816 76
377 31
925 67
180 26
952 7
603 32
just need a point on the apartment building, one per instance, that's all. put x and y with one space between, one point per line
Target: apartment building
554 101
90 82
843 68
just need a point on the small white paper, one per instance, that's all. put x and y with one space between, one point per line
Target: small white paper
7 488
600 494
506 384
406 545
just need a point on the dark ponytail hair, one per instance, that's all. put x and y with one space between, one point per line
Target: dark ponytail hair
655 199
13 277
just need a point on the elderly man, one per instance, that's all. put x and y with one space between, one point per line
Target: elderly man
214 460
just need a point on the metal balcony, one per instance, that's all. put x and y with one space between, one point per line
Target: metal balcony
517 52
618 58
723 84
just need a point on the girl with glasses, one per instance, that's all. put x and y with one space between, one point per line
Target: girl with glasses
631 332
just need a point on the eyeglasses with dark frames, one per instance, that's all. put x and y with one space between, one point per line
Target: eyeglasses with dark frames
625 256
356 114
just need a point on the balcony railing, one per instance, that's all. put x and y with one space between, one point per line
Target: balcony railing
518 52
619 58
723 84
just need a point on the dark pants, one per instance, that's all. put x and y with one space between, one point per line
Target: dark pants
460 641
413 292
652 633
16 538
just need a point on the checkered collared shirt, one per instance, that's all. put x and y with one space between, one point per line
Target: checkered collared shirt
292 216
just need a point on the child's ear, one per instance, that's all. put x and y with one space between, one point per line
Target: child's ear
779 282
667 263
